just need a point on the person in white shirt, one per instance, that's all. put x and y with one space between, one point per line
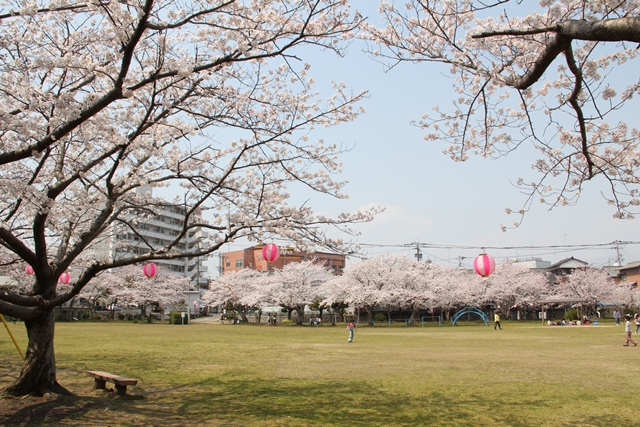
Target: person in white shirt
627 330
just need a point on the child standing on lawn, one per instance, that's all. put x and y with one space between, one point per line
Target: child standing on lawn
627 330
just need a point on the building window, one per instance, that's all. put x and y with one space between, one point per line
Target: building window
238 263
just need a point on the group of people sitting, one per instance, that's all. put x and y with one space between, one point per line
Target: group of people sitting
315 321
584 321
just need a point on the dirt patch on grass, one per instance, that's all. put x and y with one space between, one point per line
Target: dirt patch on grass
29 410
103 408
87 408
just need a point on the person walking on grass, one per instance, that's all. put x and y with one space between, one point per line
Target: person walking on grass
496 320
351 327
627 330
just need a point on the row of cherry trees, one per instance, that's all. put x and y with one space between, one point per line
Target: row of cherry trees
126 285
395 282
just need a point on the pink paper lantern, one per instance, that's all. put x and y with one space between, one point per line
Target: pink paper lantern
150 270
484 265
270 252
65 278
29 269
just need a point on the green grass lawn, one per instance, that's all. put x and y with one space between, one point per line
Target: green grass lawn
247 375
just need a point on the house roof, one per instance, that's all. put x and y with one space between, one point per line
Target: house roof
630 266
612 270
568 263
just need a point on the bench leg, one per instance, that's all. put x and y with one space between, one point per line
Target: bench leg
99 384
121 389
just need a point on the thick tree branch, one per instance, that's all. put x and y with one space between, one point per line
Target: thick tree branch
609 30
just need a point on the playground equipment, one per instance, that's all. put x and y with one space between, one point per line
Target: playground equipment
11 335
470 310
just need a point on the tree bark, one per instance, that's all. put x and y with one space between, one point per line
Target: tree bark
300 312
370 316
38 374
415 312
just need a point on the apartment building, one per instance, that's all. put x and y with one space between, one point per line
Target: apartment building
158 231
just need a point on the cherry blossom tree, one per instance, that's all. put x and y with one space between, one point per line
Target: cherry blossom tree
238 291
558 78
370 283
410 286
297 285
592 284
515 286
457 288
439 286
127 286
625 295
206 100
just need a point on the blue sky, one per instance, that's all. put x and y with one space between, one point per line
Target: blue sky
456 208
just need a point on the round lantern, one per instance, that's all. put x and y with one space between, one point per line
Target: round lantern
270 252
65 277
29 269
484 265
149 270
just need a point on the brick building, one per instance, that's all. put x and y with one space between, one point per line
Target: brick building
251 257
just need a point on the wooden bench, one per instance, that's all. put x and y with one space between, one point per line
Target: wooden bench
101 379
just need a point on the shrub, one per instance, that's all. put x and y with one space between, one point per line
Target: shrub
175 318
85 315
571 315
380 317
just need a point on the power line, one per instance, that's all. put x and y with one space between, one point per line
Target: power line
536 247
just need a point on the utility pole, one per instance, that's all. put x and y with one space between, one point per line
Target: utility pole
460 258
618 257
418 254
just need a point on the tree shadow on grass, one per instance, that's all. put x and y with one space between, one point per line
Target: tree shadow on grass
35 411
290 402
281 402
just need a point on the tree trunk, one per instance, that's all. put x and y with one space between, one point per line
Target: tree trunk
414 315
300 312
69 314
38 375
370 316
